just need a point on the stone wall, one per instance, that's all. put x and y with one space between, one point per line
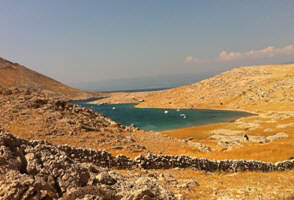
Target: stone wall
152 161
40 170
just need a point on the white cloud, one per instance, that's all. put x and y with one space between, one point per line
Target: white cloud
261 53
191 59
225 56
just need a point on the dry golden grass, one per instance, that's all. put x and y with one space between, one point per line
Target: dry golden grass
275 151
230 91
171 142
246 185
252 88
271 87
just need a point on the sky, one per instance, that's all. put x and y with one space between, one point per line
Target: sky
78 41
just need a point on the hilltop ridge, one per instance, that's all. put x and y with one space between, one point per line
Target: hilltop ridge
19 76
250 88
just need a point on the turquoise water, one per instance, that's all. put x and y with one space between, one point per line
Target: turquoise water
162 119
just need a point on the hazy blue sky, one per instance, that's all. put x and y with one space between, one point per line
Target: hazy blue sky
92 40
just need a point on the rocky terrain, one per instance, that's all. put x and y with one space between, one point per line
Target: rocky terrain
16 75
253 88
58 150
57 117
267 91
33 114
38 170
228 137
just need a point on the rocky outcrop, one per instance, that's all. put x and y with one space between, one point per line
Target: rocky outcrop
39 170
50 115
227 137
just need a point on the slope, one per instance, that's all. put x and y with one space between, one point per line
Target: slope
16 75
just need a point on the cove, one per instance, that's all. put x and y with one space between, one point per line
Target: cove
152 119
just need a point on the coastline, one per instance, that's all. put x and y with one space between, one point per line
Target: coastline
267 136
246 114
186 132
267 115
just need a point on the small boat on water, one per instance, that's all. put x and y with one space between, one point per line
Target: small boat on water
178 110
165 112
113 108
183 115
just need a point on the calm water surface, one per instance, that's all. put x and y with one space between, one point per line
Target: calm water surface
162 119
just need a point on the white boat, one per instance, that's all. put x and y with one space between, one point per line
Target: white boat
183 115
165 112
113 108
178 110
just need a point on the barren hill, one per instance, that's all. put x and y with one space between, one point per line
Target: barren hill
250 88
253 88
16 75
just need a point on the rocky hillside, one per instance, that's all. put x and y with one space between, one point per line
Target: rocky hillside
51 169
41 114
15 75
253 88
39 170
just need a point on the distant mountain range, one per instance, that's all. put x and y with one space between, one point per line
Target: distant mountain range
290 62
143 83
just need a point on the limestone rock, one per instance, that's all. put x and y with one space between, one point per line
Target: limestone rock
105 178
40 170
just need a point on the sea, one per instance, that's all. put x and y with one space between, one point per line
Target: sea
153 119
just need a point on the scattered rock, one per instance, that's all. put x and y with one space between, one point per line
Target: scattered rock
146 188
199 146
268 130
277 136
40 170
105 178
286 125
57 116
249 126
238 140
180 197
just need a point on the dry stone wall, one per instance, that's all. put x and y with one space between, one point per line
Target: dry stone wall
153 161
39 170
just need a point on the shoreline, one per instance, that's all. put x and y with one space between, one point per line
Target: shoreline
250 114
203 125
